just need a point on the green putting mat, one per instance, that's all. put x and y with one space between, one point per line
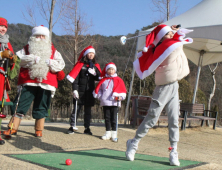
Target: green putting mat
102 159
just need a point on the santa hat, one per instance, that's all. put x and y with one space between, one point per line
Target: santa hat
156 35
40 30
3 22
87 50
109 65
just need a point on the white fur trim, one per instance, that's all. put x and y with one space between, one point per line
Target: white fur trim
40 30
161 33
139 54
91 50
145 49
156 63
94 94
70 78
123 95
110 66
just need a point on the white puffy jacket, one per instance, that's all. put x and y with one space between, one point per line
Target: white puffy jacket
173 68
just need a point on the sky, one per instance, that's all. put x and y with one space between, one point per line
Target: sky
109 17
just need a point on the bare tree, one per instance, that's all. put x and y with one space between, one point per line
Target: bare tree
166 8
213 72
47 10
77 32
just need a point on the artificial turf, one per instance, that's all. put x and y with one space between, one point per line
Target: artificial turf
101 159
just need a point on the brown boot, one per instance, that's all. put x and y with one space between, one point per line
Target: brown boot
16 124
39 126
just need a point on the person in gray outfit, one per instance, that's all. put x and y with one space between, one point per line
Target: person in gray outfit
164 55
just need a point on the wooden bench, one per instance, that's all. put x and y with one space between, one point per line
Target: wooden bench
197 112
142 106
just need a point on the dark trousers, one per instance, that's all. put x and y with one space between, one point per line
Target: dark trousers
41 98
110 116
87 115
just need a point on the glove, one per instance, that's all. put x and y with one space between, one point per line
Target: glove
92 71
47 61
6 54
37 59
75 94
13 59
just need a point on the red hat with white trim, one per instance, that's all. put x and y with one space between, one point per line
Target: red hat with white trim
3 22
40 30
87 50
109 65
156 35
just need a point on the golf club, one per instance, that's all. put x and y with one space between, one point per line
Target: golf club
124 38
116 139
75 128
9 136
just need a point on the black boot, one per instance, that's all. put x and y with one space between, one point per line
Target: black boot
2 142
87 131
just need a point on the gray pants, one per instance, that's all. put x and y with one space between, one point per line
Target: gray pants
164 97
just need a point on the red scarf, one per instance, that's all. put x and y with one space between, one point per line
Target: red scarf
119 88
76 69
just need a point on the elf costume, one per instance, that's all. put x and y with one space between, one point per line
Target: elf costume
169 62
110 87
5 45
7 63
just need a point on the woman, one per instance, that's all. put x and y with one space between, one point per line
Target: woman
83 76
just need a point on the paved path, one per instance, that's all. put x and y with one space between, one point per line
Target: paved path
198 144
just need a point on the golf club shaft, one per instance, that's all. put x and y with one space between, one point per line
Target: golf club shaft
136 36
75 112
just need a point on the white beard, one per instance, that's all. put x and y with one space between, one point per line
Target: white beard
42 49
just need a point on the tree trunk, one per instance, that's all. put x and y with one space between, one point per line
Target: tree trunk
212 92
51 17
168 10
76 34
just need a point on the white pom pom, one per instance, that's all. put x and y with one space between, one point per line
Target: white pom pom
145 49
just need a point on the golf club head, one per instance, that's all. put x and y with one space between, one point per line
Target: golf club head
123 40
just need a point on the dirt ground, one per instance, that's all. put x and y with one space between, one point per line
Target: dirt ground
198 143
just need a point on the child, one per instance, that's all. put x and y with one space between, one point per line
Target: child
164 55
110 91
83 76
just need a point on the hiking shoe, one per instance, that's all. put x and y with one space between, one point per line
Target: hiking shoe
70 131
38 133
10 132
107 135
174 161
87 131
131 148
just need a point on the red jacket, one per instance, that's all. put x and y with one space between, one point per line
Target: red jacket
24 73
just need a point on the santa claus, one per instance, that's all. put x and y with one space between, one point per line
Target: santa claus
40 66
